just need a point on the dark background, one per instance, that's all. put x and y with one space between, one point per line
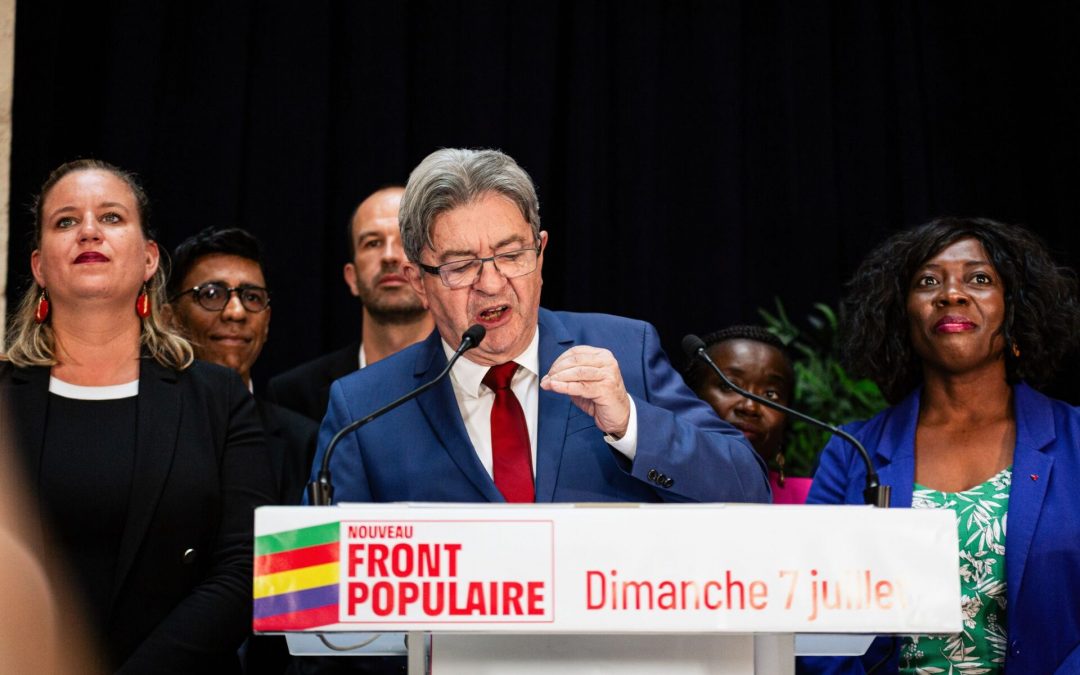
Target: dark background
693 159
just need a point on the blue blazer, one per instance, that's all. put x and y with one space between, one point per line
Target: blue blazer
422 452
1042 541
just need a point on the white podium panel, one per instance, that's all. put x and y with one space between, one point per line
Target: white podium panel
579 569
592 654
626 583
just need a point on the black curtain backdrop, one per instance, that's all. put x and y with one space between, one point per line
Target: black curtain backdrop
693 159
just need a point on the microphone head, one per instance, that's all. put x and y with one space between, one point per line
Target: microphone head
474 334
691 345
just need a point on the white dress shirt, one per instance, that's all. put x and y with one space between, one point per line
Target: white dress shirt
475 399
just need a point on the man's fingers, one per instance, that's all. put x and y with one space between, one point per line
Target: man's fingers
582 356
580 374
586 390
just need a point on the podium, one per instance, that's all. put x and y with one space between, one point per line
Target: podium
582 588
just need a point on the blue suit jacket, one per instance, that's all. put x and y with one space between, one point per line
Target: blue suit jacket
422 452
1042 541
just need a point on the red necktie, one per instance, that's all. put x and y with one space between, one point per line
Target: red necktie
510 452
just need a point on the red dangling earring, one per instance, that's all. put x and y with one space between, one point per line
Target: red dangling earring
142 304
42 311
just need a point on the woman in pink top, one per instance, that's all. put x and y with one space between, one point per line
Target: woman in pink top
754 359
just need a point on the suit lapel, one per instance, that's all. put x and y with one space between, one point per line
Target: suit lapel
440 408
24 406
156 430
553 409
1031 475
1031 471
277 446
894 456
25 409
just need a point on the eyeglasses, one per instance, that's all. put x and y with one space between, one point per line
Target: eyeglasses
462 273
214 297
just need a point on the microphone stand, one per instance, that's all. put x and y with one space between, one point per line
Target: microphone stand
874 493
320 492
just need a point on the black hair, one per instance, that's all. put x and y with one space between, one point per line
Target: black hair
210 241
695 373
1042 314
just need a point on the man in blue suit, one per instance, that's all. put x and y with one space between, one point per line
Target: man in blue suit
551 406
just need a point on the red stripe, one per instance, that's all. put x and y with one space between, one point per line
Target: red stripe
296 558
306 618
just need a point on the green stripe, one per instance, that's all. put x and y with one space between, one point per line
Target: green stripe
302 538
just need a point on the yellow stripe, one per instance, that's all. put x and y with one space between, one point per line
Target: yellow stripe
296 580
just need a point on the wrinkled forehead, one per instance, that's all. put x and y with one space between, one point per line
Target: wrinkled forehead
490 223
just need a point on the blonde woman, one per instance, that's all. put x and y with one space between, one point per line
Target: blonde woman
146 464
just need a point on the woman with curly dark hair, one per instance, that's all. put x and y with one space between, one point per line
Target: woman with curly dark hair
958 321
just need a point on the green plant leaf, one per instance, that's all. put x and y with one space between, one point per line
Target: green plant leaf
830 315
823 389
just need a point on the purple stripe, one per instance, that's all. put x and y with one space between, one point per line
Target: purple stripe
296 601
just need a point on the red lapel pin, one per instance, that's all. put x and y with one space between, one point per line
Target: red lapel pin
1034 476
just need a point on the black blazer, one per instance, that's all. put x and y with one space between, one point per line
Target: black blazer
181 593
306 388
290 443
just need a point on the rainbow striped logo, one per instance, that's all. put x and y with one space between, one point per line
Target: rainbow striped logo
296 578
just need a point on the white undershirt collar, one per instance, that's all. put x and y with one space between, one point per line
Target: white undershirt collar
84 393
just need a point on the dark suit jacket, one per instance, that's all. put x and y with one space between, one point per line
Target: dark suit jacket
422 452
306 388
181 594
290 444
1042 545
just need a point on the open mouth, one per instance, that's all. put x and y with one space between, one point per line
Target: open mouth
493 314
90 257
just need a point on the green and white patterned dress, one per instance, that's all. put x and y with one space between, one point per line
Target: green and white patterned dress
981 515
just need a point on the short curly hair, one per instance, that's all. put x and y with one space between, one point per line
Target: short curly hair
1042 312
695 373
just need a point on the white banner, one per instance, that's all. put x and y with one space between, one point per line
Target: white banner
601 569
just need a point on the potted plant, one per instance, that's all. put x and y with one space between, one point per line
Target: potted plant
823 388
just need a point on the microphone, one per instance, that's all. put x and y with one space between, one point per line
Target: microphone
875 493
320 491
